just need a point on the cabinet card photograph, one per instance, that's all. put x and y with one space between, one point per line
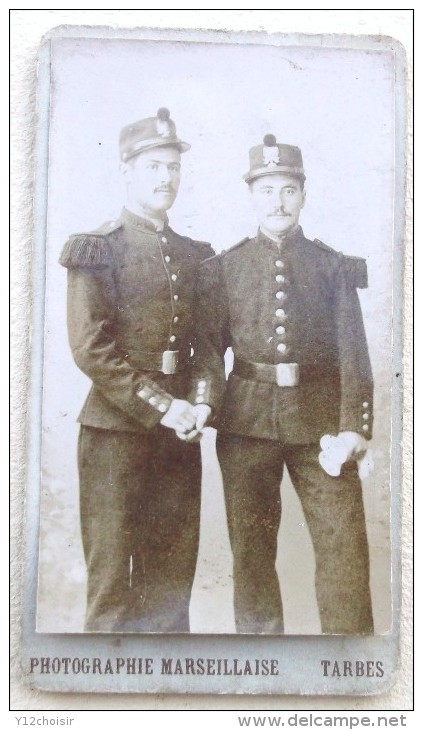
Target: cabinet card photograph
214 472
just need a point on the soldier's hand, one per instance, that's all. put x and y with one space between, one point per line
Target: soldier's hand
180 416
337 450
203 413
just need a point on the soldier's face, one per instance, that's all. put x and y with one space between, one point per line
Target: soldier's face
153 178
278 200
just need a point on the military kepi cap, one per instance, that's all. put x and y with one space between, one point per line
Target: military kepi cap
158 131
271 157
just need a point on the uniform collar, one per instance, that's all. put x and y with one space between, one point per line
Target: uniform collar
290 237
147 225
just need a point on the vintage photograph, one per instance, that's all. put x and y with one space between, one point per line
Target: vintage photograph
222 223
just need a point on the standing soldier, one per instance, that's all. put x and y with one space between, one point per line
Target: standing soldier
130 322
289 308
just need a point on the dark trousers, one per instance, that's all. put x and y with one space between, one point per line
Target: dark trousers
252 471
140 519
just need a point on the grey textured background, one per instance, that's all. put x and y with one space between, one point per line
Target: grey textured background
27 29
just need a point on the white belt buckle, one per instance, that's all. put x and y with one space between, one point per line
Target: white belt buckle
287 374
169 361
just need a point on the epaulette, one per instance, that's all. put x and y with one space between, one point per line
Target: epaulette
233 248
89 249
355 269
199 246
187 239
325 247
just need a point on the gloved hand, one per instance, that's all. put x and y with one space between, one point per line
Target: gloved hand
179 416
202 413
346 446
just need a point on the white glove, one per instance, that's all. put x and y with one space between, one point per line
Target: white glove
346 446
180 416
202 414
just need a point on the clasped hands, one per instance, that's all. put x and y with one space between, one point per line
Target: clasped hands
187 420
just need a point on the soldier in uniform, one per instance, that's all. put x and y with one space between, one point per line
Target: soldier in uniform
289 308
130 322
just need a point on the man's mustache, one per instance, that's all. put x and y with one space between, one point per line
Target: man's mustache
164 189
279 211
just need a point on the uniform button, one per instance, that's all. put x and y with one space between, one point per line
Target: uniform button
175 296
167 259
201 390
279 264
365 427
172 338
280 295
162 408
365 404
142 393
174 277
280 330
280 279
176 319
202 384
164 239
199 399
365 416
280 313
153 401
281 347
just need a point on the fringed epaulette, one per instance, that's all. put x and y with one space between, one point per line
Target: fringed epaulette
236 246
355 269
89 249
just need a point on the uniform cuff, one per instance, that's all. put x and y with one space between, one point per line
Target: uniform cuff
201 392
361 422
155 397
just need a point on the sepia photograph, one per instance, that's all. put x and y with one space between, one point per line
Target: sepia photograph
219 412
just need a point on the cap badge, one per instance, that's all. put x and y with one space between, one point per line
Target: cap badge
163 128
271 156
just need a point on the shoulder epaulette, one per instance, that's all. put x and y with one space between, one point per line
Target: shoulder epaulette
355 269
233 248
201 247
325 247
198 245
187 239
89 249
201 244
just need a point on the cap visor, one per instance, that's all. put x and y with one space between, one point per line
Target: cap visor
281 169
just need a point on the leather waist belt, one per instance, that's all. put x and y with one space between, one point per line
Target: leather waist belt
285 374
168 362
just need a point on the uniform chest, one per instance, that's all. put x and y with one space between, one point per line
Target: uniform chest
261 280
151 268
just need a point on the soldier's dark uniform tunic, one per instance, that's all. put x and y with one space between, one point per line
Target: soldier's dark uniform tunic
130 298
291 313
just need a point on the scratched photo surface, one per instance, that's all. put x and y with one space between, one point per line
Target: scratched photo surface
337 106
